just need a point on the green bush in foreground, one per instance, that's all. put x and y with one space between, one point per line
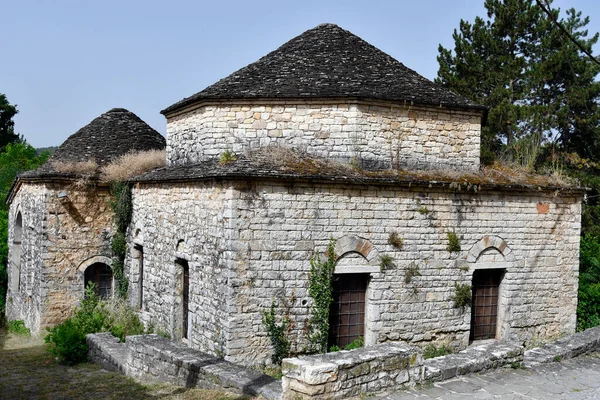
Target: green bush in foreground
67 340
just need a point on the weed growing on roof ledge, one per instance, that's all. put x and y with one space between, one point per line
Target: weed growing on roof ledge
227 157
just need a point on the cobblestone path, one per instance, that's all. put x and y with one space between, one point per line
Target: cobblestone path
570 379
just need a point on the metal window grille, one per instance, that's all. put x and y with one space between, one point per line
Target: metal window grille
484 313
347 312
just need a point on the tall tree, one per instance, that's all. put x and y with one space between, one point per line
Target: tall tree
538 84
7 125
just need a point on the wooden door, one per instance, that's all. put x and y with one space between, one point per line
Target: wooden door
347 312
484 311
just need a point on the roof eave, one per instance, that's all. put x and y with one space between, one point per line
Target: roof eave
185 106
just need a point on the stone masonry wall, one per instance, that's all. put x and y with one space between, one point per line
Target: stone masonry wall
374 134
250 244
534 236
192 223
24 297
59 237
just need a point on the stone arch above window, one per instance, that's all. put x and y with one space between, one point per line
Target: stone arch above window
94 260
490 246
355 255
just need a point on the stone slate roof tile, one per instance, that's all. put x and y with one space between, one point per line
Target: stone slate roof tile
328 62
109 136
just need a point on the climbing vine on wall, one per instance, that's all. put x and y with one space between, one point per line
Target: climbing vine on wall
321 290
122 207
277 334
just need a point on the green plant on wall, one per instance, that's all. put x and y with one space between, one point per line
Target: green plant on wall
396 240
277 334
321 290
462 295
453 242
411 272
121 205
385 262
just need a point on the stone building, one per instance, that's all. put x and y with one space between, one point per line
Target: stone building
222 237
328 138
60 223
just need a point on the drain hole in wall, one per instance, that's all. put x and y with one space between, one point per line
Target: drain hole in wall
304 302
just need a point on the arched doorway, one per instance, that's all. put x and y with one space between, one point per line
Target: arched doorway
101 276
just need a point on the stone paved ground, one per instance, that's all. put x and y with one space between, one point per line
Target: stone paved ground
573 379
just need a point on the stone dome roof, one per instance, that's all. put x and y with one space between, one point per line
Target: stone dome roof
109 136
327 62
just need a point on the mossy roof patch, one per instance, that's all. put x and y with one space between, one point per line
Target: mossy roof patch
327 62
288 164
106 138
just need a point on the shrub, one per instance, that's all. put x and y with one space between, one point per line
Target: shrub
81 168
356 344
132 164
122 319
432 351
18 327
588 306
67 340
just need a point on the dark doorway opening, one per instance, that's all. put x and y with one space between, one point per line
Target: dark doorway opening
484 308
347 312
185 296
101 276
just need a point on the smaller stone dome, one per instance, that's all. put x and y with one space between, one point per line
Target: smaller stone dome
109 136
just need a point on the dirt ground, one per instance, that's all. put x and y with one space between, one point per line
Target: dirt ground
28 371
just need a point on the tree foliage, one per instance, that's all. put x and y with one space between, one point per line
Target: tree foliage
538 85
7 125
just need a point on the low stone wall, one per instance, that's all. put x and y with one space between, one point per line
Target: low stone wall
106 350
351 373
375 369
574 345
474 359
152 358
385 368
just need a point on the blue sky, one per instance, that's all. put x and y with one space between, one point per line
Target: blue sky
66 62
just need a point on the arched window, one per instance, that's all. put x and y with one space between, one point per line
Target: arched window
101 276
16 252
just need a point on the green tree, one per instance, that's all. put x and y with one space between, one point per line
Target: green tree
538 85
7 125
16 158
